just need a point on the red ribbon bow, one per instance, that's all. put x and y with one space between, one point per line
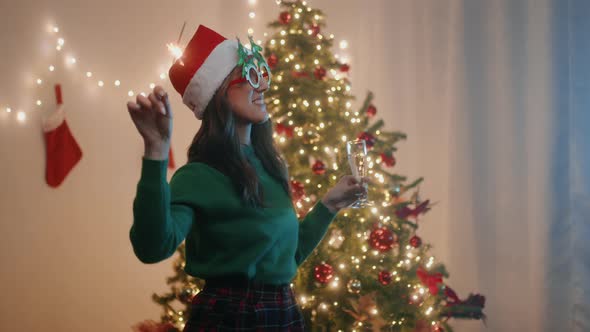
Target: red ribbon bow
404 212
429 280
283 129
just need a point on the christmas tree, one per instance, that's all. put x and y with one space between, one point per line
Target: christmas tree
372 271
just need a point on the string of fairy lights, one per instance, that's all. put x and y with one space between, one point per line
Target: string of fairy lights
70 61
175 49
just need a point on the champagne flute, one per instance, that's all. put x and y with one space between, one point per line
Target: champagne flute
356 152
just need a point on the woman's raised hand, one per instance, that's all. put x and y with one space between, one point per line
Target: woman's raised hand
152 117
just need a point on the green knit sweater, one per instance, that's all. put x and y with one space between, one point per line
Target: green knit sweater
223 235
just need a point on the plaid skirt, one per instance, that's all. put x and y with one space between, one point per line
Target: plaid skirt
238 304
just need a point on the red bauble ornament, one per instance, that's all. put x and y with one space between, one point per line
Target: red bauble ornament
285 18
319 73
297 190
382 239
385 277
272 61
371 110
368 138
319 167
315 29
387 160
415 241
323 273
344 68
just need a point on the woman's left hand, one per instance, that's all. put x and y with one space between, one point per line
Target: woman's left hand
344 193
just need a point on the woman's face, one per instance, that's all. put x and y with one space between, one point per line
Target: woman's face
247 102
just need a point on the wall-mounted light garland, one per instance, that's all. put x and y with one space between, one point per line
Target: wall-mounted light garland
71 61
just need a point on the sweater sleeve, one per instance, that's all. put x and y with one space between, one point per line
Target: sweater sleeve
159 224
312 230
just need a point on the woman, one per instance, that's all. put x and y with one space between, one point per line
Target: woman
231 201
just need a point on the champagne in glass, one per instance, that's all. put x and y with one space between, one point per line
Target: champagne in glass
356 152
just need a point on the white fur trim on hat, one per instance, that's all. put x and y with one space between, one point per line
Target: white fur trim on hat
210 75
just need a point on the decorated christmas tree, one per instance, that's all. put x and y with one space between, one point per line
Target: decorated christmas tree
372 271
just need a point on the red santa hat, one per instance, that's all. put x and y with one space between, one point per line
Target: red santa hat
206 61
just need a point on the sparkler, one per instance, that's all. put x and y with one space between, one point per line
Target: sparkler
175 49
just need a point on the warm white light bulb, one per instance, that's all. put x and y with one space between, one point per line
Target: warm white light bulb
252 14
39 81
51 68
117 83
130 93
88 74
39 103
100 83
152 85
21 116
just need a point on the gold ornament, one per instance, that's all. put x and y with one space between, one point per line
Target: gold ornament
364 311
311 137
336 238
354 286
187 294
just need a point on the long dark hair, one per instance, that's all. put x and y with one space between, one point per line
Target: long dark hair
217 144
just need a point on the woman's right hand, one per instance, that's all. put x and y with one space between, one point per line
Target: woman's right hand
152 117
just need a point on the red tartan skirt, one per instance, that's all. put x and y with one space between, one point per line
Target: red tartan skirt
238 304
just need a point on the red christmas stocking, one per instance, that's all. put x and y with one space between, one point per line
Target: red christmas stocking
62 150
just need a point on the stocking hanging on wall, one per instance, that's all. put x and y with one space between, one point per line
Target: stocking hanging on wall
61 149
